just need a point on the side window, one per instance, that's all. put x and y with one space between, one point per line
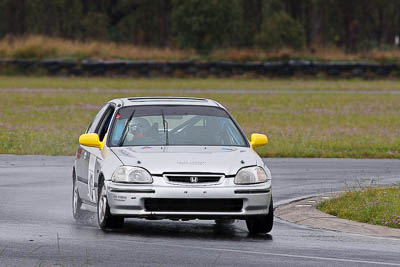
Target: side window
93 125
105 122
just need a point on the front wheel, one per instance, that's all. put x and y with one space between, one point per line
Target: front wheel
261 224
104 217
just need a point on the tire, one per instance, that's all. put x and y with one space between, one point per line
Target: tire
104 217
224 221
77 212
261 224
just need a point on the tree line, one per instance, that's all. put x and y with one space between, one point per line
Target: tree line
204 25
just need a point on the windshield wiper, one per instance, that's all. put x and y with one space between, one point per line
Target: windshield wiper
124 132
165 129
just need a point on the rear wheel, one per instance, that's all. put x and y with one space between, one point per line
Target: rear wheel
261 224
76 202
105 219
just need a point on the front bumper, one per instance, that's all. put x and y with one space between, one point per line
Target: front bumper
131 200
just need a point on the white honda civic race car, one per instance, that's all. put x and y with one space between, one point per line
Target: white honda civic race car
173 158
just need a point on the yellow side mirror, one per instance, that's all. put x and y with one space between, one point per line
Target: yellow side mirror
257 140
91 139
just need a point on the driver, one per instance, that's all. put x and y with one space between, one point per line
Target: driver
138 128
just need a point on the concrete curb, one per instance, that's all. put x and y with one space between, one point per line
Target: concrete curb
304 212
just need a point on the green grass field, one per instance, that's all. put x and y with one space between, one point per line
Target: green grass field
316 118
380 206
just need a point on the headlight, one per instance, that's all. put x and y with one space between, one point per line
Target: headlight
127 174
252 175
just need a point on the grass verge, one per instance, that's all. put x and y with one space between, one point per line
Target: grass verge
312 120
373 205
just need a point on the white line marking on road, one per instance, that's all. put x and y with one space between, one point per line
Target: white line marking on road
288 255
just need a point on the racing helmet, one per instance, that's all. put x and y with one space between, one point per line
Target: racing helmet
139 126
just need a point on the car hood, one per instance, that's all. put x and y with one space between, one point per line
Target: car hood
159 160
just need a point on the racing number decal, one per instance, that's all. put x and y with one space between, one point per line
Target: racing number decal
91 190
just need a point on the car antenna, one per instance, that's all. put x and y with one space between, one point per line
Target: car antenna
165 130
124 133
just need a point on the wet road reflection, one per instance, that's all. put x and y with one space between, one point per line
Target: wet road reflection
194 230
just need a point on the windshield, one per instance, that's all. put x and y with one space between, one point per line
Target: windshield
174 125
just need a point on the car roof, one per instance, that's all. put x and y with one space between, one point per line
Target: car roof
140 101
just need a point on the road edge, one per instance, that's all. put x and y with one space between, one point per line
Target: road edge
303 211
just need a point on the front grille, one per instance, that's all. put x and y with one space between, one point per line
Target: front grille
194 178
193 205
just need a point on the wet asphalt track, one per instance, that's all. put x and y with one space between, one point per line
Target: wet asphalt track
37 229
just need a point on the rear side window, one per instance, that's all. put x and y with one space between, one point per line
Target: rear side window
93 125
104 123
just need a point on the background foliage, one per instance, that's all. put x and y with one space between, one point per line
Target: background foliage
353 25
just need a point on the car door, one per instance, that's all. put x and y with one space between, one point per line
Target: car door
83 157
96 156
